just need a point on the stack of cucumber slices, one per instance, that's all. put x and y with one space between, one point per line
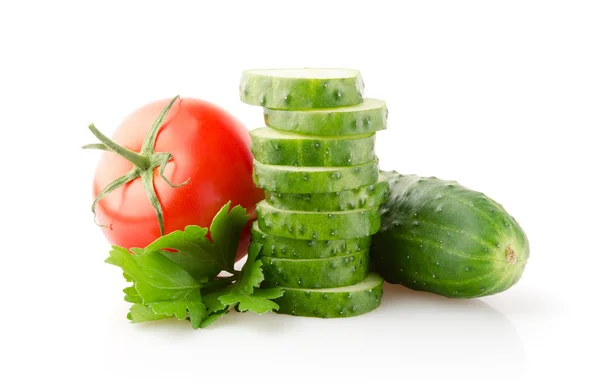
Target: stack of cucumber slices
316 162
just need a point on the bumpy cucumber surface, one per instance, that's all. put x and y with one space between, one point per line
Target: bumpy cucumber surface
364 197
347 301
369 116
441 237
289 248
297 89
293 179
335 271
305 225
283 148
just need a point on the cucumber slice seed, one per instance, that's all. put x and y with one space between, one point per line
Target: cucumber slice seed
364 197
344 270
280 148
289 248
304 88
294 179
305 225
346 301
369 116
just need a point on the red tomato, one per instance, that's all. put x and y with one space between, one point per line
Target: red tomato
209 146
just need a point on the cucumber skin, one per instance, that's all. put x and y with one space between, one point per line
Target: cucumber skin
338 271
306 249
327 123
300 94
440 237
364 197
317 226
313 152
279 179
297 302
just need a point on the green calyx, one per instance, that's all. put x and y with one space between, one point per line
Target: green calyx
144 163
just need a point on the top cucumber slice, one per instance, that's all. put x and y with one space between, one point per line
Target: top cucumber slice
302 88
367 117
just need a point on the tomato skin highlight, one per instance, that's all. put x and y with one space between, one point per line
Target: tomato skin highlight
210 147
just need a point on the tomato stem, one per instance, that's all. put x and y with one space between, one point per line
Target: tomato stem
138 160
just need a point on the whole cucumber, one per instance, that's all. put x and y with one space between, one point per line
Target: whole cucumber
440 237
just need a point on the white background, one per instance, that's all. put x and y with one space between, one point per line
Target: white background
502 96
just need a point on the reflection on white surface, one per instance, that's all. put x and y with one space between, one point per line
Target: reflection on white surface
411 333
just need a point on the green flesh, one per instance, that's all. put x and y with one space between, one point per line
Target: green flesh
317 225
347 301
336 271
440 237
364 197
289 248
291 179
297 89
280 148
370 116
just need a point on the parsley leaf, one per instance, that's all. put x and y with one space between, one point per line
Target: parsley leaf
252 274
244 294
257 302
141 313
177 275
195 252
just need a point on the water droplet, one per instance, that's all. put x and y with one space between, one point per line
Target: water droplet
330 216
305 178
333 233
467 269
349 295
317 145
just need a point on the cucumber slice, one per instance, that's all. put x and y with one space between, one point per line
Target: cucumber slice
280 148
293 179
289 248
346 301
369 116
336 271
305 88
305 225
364 197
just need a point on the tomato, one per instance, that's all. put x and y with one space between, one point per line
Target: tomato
210 148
